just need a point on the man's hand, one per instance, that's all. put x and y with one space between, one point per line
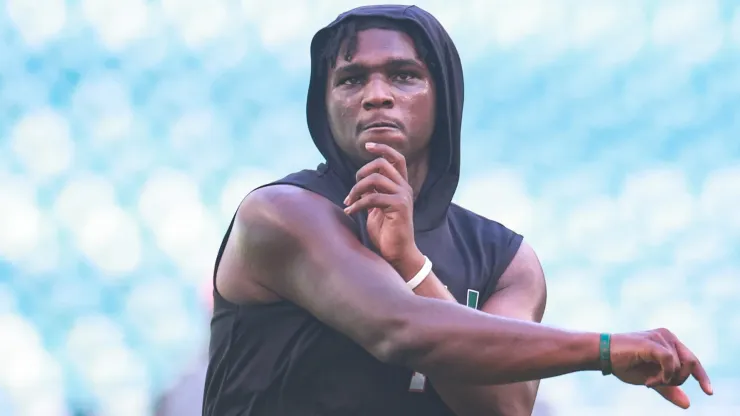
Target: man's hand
382 188
657 359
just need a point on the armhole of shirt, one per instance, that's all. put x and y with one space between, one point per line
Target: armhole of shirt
506 244
216 295
217 298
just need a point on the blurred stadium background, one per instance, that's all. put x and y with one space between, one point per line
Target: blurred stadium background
130 130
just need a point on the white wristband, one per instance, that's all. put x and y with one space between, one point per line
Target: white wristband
423 273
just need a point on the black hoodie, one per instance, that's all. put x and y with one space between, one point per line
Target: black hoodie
277 359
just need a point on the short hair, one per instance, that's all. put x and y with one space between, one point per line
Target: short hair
347 31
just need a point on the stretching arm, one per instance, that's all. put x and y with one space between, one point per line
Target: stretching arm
299 246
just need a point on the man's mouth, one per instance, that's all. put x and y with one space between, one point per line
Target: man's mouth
380 125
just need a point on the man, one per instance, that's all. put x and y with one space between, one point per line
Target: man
326 301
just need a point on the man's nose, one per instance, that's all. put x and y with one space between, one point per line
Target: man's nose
377 95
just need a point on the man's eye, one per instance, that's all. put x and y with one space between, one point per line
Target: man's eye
405 76
351 81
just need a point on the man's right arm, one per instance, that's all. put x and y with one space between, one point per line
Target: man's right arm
299 246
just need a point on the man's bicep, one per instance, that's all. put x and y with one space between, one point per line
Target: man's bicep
521 292
299 246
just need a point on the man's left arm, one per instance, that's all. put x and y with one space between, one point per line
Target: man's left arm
521 293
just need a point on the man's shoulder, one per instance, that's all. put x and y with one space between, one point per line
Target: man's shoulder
498 243
290 208
281 203
300 178
465 216
304 174
320 181
497 237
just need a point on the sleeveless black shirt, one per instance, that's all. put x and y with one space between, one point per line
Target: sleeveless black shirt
277 359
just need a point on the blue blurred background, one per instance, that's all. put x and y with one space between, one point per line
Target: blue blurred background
130 130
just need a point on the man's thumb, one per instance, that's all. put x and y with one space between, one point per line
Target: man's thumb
675 395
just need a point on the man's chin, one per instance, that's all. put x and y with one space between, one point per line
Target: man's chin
367 156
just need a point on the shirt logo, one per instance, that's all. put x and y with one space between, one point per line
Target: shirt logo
473 296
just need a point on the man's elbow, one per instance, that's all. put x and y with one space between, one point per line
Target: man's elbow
511 400
389 351
522 400
517 407
399 342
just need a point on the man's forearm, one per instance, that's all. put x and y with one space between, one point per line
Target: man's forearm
433 338
497 350
515 399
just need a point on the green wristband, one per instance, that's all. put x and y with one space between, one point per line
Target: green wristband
605 355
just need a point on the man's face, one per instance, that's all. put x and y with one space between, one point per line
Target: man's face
384 95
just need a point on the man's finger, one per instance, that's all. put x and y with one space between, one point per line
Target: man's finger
700 374
374 182
690 364
674 395
669 364
384 167
382 201
392 155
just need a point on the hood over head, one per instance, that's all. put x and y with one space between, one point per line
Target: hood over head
444 63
